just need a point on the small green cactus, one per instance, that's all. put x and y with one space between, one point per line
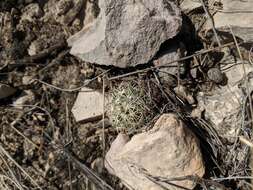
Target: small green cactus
130 107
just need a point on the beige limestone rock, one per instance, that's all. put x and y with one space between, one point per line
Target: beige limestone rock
170 149
88 105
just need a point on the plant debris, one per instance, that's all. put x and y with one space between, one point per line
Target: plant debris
201 72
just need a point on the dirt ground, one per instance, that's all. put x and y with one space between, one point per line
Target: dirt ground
41 145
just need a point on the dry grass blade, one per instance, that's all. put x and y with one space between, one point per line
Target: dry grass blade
4 152
247 88
212 21
91 175
174 61
103 118
4 183
74 89
10 172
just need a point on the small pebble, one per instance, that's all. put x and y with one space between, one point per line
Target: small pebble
215 75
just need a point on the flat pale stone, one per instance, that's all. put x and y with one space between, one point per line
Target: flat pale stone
238 15
88 105
169 150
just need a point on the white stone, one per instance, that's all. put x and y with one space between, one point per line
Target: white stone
169 150
88 105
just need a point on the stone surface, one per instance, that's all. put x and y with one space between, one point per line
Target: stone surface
88 44
223 107
215 75
88 105
91 12
135 30
26 98
184 94
127 33
189 5
6 91
170 149
173 52
31 11
238 15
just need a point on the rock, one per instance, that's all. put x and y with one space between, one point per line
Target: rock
215 75
173 52
27 97
91 12
189 5
223 107
127 33
135 30
63 6
6 91
35 47
31 11
88 44
170 149
184 94
67 10
235 14
88 105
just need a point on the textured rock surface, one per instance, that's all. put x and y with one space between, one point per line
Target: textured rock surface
223 108
31 11
174 52
170 149
88 105
127 33
136 29
189 5
236 14
6 91
89 44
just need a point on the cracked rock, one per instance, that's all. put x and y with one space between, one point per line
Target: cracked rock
170 149
127 33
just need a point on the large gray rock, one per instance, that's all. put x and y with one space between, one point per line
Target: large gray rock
169 150
127 33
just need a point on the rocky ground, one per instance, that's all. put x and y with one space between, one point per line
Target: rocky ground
126 94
